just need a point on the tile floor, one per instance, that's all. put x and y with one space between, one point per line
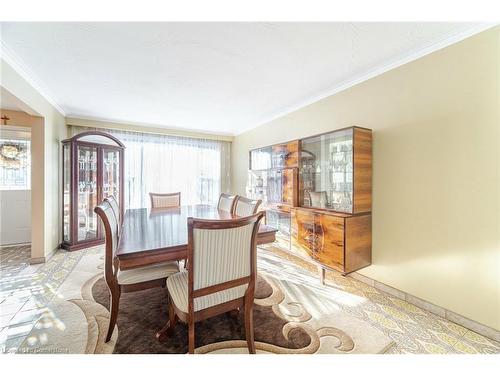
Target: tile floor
26 290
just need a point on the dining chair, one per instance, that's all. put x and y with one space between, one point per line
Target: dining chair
123 281
222 265
159 200
226 202
116 209
245 206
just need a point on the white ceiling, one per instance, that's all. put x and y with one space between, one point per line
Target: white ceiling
214 77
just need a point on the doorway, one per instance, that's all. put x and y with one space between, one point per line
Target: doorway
15 185
21 177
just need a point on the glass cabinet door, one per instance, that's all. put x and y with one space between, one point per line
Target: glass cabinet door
272 186
67 192
111 174
281 222
326 171
261 159
87 193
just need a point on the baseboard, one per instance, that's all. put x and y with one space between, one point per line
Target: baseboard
15 244
44 259
37 260
477 327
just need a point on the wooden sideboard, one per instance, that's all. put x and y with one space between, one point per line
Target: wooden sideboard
317 191
333 240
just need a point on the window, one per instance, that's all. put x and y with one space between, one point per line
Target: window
15 164
198 168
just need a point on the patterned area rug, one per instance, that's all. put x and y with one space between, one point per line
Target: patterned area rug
143 313
282 325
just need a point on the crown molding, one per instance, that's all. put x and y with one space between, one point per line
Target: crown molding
446 41
11 58
131 126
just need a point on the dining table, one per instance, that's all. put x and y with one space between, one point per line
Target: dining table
155 235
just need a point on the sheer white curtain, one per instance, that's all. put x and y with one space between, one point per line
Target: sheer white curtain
198 168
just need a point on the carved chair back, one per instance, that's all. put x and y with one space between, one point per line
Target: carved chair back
245 206
226 202
221 260
106 214
159 200
116 209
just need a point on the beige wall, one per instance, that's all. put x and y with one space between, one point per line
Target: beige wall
48 157
436 184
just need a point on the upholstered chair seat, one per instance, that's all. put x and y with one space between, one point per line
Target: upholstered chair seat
147 273
178 288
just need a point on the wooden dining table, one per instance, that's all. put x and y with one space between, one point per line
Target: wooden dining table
156 235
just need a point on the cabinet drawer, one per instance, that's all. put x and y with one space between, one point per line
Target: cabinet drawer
329 249
302 233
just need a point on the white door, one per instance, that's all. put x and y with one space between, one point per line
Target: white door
15 185
15 216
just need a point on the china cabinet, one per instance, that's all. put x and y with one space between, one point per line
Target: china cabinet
92 170
317 192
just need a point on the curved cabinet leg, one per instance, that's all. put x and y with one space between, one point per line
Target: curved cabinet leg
321 271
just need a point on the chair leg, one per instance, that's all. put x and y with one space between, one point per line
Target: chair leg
171 317
115 302
168 328
191 337
249 325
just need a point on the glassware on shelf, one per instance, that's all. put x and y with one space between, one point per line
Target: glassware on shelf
87 187
326 168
